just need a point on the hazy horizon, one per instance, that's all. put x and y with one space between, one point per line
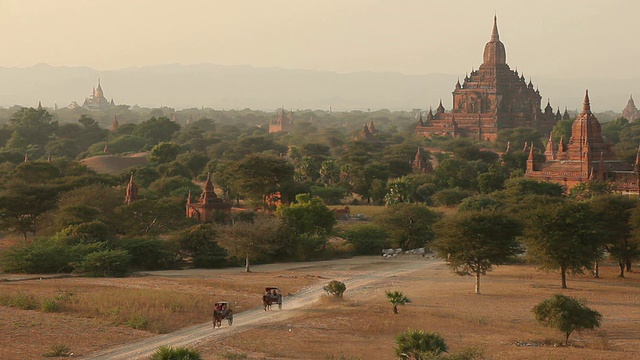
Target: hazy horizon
584 41
413 37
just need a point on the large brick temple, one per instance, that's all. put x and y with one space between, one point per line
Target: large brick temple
586 157
490 99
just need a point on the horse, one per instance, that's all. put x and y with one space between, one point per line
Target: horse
218 315
267 301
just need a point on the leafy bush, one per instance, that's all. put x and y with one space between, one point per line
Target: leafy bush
419 345
39 256
178 353
308 245
149 254
199 243
138 322
49 305
449 197
93 231
335 288
367 239
566 314
330 195
105 263
58 350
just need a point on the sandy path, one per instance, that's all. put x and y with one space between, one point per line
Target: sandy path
248 319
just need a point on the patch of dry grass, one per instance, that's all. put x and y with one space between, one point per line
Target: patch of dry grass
499 322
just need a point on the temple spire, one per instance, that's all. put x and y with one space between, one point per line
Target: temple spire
131 193
494 32
586 106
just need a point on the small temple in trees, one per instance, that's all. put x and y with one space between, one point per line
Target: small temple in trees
630 112
490 99
368 133
207 207
585 158
282 123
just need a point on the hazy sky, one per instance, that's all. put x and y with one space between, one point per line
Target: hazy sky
574 38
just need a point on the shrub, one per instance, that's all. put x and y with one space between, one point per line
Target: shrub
178 353
90 232
449 197
307 245
149 254
330 195
20 300
419 345
105 263
39 256
50 305
335 288
566 314
367 239
58 350
138 322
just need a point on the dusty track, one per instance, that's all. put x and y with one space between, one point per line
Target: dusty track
292 306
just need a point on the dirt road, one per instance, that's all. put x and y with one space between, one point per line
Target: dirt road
292 306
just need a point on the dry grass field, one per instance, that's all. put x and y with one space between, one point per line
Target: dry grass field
102 312
499 322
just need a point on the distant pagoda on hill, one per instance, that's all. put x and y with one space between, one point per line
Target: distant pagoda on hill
96 101
630 112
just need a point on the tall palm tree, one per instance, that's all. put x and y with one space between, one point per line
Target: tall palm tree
396 298
418 344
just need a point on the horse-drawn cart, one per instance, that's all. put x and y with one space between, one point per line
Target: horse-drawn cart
222 311
272 296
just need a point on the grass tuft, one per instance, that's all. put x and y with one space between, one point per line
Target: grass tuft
50 305
58 350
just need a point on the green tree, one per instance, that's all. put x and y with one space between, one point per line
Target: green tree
475 241
307 215
566 314
22 204
409 225
613 214
164 152
396 298
399 191
33 126
564 237
250 240
200 243
156 130
105 263
518 137
329 173
258 176
147 217
419 345
366 239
